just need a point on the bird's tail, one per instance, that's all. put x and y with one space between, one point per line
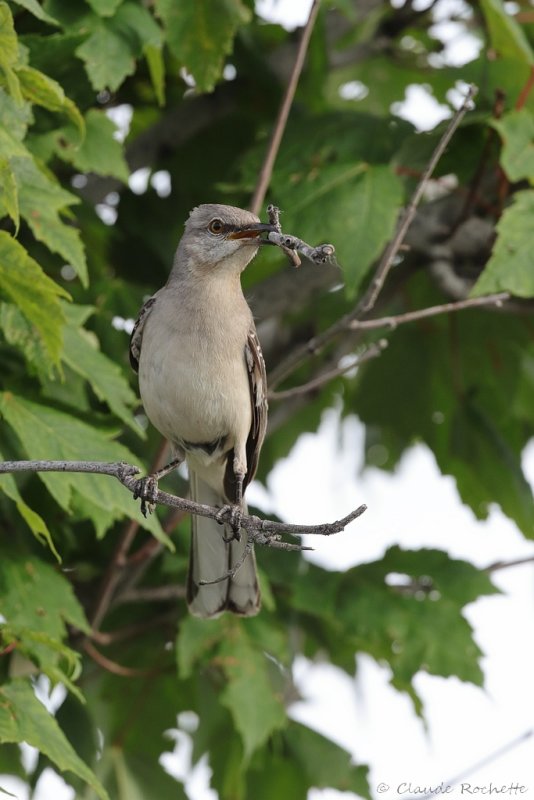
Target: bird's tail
211 556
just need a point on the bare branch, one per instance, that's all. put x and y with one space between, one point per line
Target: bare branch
113 667
484 762
260 531
386 262
517 562
431 311
317 343
372 351
112 575
285 107
152 594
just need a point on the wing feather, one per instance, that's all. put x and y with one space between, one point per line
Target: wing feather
257 377
136 339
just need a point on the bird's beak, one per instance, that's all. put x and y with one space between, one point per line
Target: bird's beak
251 231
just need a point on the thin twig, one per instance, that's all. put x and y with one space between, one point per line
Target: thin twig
152 594
386 262
105 638
518 562
432 311
317 343
372 351
525 91
283 113
479 764
111 577
112 666
261 531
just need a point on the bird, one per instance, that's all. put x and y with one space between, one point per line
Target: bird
203 386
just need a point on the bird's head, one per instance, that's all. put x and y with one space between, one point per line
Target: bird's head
220 237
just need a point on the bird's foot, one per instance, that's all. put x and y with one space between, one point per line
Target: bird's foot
231 515
147 490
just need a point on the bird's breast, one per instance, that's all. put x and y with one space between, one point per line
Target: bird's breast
193 381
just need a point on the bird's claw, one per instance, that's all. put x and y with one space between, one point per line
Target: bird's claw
231 515
147 490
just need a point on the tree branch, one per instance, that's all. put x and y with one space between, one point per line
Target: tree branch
372 351
517 562
153 594
432 311
260 531
113 667
317 343
386 262
285 107
112 575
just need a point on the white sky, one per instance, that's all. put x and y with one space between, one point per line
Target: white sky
416 507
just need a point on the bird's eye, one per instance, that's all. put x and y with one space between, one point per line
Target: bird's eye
215 226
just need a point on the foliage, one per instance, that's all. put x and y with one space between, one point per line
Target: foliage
70 283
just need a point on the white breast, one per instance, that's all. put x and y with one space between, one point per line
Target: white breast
193 378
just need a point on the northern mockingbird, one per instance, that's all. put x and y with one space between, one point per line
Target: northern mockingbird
203 386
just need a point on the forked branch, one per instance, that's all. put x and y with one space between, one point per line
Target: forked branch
260 531
348 322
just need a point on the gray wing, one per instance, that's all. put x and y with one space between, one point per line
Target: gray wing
257 377
136 339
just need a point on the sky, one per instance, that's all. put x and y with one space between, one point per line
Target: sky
415 507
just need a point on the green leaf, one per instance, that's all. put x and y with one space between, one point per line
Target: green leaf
108 58
415 625
41 200
325 763
114 43
9 51
36 523
136 24
374 208
39 652
24 719
23 281
353 206
35 8
506 35
469 423
281 777
38 88
156 67
249 694
21 334
200 35
81 354
36 596
9 199
104 8
112 701
517 132
99 152
511 265
15 118
10 761
37 626
46 433
196 638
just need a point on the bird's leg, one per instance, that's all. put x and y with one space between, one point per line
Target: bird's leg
236 510
147 488
249 547
232 513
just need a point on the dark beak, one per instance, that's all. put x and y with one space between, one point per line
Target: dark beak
251 231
